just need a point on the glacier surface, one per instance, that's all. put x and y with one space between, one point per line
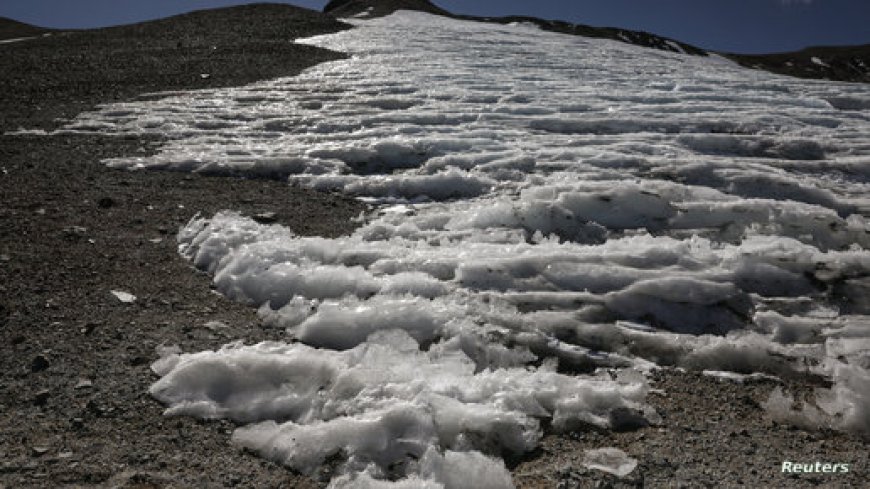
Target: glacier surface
555 215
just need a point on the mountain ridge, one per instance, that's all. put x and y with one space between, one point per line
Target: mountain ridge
843 63
11 29
380 8
201 49
836 63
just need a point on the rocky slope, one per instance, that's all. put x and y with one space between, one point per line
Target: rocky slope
203 49
12 29
844 63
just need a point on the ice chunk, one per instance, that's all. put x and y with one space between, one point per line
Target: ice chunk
123 297
683 304
456 470
610 460
364 480
339 327
383 437
441 186
844 406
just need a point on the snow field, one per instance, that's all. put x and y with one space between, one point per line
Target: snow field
553 209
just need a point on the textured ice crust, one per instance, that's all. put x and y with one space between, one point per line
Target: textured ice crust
402 277
562 205
386 406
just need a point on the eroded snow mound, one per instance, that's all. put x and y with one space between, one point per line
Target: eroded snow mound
845 406
452 470
386 406
554 212
757 307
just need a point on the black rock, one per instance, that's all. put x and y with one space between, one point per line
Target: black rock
41 398
138 360
39 364
105 202
38 451
266 217
627 419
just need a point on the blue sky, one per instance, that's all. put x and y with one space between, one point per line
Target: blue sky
727 25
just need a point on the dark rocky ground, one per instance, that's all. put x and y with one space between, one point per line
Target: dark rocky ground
844 63
714 434
74 408
74 361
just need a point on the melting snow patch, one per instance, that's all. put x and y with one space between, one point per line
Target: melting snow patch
819 62
676 47
16 39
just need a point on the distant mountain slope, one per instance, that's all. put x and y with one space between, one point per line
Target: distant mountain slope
12 29
379 8
204 49
845 63
639 38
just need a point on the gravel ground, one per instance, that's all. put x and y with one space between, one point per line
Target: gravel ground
75 362
74 408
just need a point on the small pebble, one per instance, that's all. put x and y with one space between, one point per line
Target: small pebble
39 364
105 202
38 451
266 217
41 398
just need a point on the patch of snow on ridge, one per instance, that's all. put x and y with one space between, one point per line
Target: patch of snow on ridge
676 47
819 62
554 213
16 39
